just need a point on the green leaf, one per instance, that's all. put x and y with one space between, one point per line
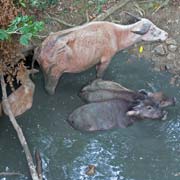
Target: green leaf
22 3
3 35
24 25
26 29
38 26
24 39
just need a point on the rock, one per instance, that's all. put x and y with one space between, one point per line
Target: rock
172 48
160 50
157 66
168 67
171 56
175 80
91 170
177 64
171 41
90 2
154 58
157 69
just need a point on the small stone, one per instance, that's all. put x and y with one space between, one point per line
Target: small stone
167 67
160 50
157 69
173 81
171 56
91 170
154 58
121 177
171 41
90 2
172 48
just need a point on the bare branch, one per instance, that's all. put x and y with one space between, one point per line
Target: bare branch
60 21
38 164
111 10
18 129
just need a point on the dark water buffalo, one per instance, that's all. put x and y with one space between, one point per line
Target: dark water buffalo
104 94
104 84
112 105
100 90
115 113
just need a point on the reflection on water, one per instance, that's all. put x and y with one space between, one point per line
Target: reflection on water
148 150
93 153
172 129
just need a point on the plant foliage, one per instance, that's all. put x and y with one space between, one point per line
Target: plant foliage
42 4
25 26
16 29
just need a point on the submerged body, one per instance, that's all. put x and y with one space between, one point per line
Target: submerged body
101 90
98 84
107 94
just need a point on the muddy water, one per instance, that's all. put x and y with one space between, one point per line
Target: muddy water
148 150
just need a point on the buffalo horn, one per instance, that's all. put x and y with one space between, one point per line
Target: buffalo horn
143 30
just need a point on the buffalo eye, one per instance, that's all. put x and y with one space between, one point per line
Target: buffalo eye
149 108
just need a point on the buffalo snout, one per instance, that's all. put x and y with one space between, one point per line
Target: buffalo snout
50 84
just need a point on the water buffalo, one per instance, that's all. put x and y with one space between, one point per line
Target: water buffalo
77 49
21 99
100 90
112 105
115 113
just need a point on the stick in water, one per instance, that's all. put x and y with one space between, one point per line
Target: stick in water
19 131
38 164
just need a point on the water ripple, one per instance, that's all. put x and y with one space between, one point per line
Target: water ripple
94 153
172 133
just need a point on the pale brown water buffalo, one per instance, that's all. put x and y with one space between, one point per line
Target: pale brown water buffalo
77 49
21 99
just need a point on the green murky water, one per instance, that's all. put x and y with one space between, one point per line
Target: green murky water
148 150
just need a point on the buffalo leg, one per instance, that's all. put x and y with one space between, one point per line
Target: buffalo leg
51 83
101 69
52 78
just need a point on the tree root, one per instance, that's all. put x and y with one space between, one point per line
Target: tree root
19 131
100 17
111 10
165 3
60 21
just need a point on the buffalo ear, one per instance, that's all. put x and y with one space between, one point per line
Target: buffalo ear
132 113
143 30
143 91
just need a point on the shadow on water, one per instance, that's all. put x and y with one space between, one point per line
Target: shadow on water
148 150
